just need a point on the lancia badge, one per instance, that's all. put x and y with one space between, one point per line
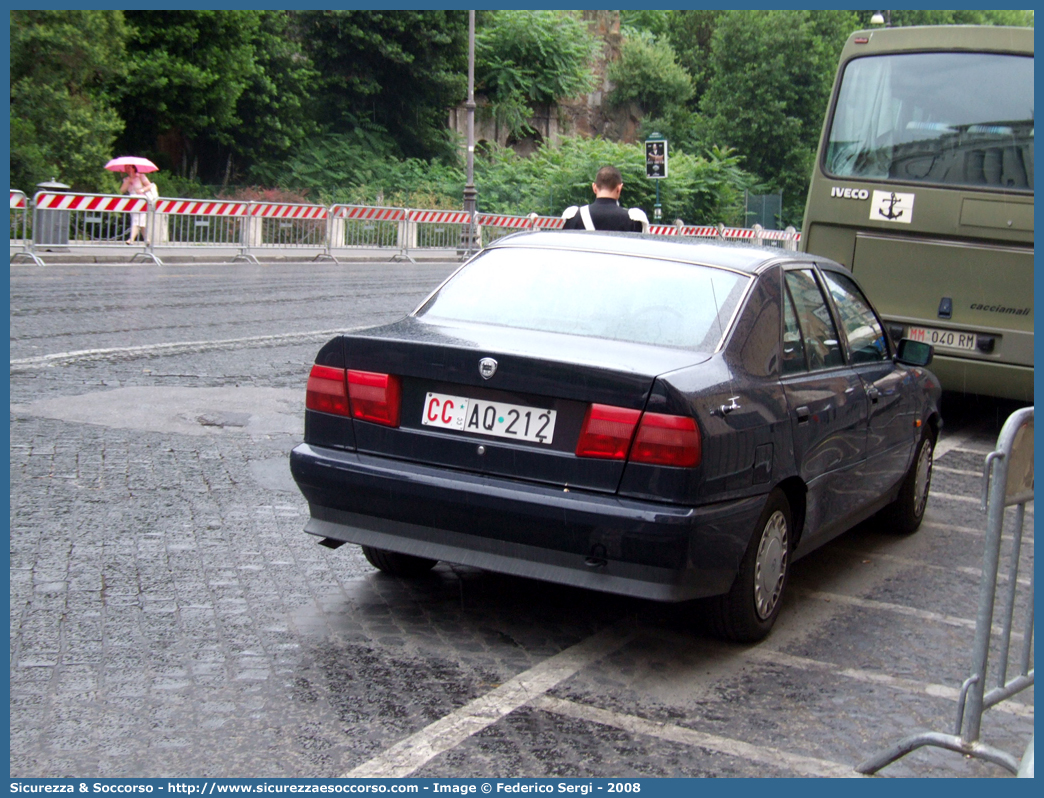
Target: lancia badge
487 367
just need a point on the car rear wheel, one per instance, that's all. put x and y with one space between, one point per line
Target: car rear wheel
391 562
905 514
747 612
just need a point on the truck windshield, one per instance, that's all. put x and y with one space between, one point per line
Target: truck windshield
946 118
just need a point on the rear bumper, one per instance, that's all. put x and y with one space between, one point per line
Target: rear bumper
590 540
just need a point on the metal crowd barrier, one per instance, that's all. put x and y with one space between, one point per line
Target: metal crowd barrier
1008 482
21 234
64 220
446 231
284 225
366 227
192 224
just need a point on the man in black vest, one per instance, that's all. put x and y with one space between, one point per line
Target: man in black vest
605 212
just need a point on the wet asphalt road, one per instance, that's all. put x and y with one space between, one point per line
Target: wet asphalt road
170 618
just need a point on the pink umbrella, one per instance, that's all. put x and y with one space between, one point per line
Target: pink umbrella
122 163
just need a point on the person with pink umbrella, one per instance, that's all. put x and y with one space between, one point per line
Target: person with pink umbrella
136 184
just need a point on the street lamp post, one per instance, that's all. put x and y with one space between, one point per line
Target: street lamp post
470 192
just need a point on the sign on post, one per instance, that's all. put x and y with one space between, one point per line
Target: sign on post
656 157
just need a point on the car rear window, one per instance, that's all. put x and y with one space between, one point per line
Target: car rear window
620 297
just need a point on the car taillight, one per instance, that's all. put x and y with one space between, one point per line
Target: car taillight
375 397
667 440
327 391
607 432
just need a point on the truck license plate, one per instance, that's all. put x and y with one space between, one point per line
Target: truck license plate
943 339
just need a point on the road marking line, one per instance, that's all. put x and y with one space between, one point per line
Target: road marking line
805 765
1027 533
175 347
953 497
899 609
1002 578
407 755
962 471
773 657
948 444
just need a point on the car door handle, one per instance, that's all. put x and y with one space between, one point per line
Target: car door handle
803 414
873 393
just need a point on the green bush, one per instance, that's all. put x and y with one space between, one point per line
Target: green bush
700 189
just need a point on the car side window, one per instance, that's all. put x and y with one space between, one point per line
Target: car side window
793 346
822 345
866 338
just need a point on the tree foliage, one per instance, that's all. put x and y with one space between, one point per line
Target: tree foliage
188 70
198 78
648 75
527 57
771 73
690 33
400 70
62 119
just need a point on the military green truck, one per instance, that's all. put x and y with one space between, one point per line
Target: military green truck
923 186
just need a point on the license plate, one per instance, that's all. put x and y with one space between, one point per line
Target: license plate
943 339
488 418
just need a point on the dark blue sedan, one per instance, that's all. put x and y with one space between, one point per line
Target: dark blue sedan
640 416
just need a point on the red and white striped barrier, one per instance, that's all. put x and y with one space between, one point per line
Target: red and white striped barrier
17 200
439 217
190 207
548 223
368 213
500 220
270 210
90 202
700 232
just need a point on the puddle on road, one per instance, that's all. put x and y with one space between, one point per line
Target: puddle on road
186 411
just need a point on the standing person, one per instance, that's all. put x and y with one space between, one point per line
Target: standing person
605 212
136 184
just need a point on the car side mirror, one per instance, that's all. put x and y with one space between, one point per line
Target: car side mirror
914 353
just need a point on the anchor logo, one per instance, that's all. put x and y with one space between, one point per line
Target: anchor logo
892 207
892 214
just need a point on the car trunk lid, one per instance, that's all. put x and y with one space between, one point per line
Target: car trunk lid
523 420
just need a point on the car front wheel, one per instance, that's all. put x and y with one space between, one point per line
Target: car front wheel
391 562
747 612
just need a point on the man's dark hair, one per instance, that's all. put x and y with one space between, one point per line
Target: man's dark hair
608 178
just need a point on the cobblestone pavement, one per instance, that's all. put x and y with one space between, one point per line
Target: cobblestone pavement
170 618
